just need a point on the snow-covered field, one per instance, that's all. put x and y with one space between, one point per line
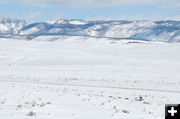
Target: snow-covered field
87 78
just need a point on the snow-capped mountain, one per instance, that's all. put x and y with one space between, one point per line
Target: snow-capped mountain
167 31
11 26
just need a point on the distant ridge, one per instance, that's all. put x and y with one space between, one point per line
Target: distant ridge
166 31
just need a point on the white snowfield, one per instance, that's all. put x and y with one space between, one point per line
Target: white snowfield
87 78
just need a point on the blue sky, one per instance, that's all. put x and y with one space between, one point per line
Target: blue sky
44 10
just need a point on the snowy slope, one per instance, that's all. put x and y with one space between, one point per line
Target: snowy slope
166 31
11 26
87 78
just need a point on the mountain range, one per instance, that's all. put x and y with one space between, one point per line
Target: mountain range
166 31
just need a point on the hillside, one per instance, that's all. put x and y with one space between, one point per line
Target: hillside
165 31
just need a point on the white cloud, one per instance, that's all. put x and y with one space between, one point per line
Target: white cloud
97 3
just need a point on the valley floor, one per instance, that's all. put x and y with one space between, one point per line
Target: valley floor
74 78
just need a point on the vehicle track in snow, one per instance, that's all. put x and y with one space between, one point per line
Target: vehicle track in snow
95 86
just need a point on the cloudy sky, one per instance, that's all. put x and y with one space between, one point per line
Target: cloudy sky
45 10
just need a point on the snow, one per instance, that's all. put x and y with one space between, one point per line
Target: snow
61 21
87 78
3 28
11 26
129 30
76 22
164 31
29 31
